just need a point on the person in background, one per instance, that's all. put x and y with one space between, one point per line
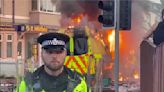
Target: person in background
158 34
53 76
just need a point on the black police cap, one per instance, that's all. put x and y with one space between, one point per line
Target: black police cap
53 41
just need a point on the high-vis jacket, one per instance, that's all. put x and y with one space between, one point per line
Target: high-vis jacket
71 81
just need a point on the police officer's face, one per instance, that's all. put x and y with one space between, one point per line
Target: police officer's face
53 60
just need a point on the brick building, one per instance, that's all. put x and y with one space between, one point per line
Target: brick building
36 16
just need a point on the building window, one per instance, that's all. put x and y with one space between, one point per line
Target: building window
9 49
43 5
34 5
9 45
19 48
46 5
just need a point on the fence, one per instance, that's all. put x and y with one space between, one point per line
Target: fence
152 67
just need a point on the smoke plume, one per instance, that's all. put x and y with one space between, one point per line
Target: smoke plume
71 8
129 53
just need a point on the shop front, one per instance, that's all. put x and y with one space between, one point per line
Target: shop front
9 54
32 49
18 49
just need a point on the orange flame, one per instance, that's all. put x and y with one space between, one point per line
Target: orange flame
111 39
121 78
77 19
136 75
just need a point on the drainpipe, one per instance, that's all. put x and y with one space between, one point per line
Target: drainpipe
13 12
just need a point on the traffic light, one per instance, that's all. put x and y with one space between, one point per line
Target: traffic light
125 14
107 17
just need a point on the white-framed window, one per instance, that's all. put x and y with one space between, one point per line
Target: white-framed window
43 5
9 43
8 46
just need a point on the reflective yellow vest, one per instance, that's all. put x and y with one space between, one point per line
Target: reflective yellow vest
81 63
73 77
82 87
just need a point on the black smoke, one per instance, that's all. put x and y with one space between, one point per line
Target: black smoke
71 8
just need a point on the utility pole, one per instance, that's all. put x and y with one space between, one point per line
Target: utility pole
13 23
110 19
116 14
116 62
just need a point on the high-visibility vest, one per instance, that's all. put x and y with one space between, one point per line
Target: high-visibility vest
80 63
81 87
21 87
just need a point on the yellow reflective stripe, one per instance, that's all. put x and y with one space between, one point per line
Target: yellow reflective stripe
69 62
71 45
89 46
66 60
22 86
67 57
82 87
81 64
83 61
87 30
76 68
98 56
92 66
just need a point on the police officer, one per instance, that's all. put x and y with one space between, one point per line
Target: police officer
53 76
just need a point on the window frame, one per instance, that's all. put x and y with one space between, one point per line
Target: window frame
46 4
34 7
12 43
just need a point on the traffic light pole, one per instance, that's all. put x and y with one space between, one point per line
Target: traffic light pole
116 62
